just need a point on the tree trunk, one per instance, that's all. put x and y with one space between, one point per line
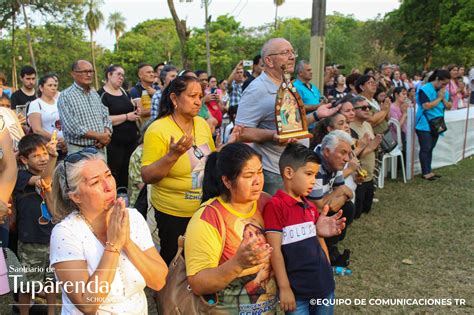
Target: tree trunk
28 36
14 76
276 17
182 33
96 81
117 41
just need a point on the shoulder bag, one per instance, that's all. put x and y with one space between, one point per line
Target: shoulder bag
177 296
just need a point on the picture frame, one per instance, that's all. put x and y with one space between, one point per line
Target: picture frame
290 113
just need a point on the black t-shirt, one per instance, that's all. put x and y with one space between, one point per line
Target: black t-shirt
28 206
337 94
20 98
126 132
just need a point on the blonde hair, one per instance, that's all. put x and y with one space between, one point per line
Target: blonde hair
62 203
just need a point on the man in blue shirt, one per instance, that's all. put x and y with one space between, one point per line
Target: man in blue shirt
308 92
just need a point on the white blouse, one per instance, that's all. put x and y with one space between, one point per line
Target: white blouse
72 239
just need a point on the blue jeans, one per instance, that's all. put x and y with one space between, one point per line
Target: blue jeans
427 144
305 307
272 182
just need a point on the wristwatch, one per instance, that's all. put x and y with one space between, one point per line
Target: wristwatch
315 115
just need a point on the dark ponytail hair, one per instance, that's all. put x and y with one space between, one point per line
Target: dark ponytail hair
439 74
321 129
42 81
177 86
228 162
397 91
110 69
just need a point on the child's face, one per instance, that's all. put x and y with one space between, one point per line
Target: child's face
36 160
304 178
5 103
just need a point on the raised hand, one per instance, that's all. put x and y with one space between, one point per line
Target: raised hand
330 226
51 146
179 148
118 227
325 110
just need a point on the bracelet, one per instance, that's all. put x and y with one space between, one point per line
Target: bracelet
126 116
315 115
113 246
112 251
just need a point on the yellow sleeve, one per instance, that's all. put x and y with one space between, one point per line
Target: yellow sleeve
154 145
202 246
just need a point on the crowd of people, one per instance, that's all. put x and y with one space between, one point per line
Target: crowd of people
263 217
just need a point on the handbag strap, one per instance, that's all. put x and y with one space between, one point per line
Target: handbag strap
182 238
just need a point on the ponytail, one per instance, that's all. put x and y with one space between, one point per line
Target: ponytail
229 162
439 74
210 182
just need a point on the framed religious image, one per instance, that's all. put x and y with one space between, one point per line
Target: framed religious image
290 114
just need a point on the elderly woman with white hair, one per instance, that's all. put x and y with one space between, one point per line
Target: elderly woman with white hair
98 243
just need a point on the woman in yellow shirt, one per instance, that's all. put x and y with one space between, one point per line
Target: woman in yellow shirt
175 150
227 254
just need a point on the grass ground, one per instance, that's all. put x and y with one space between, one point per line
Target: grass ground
429 223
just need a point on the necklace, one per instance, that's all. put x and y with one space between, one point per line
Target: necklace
197 152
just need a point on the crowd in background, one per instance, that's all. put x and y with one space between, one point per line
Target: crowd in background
200 150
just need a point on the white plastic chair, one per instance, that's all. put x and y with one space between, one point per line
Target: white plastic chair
392 157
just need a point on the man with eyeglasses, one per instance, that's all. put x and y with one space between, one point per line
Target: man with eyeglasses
257 110
236 81
85 120
365 189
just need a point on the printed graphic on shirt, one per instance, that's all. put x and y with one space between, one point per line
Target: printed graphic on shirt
198 157
298 232
255 290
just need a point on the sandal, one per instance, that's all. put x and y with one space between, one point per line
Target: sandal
429 178
342 271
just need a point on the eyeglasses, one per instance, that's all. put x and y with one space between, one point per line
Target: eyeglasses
75 157
88 72
198 152
371 82
286 53
364 108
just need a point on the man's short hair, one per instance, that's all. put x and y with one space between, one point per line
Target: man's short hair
331 140
300 66
164 72
199 72
143 64
158 65
357 99
256 59
27 70
30 143
295 156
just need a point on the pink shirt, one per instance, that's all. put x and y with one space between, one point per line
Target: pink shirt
395 112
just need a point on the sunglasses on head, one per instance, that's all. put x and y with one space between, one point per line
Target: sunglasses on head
364 108
76 157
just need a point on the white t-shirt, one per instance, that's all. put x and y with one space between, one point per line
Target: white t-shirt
13 125
72 239
49 115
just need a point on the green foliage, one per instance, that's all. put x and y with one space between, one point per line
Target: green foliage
56 46
429 29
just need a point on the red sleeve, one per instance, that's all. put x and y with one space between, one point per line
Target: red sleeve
273 216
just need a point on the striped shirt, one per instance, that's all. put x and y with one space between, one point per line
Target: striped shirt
326 179
81 112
